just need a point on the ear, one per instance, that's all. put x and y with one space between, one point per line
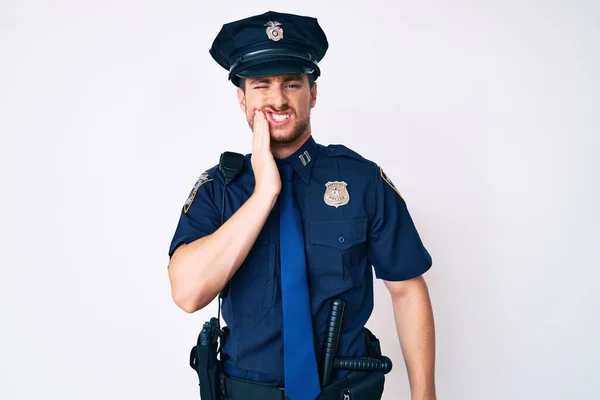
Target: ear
313 95
241 99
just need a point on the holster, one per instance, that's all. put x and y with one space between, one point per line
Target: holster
369 387
373 345
359 385
204 360
355 386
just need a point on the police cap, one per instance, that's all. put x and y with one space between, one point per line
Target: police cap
270 44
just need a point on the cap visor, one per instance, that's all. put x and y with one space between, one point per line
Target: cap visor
273 68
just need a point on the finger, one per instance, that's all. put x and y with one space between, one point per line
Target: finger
266 138
262 131
257 130
256 137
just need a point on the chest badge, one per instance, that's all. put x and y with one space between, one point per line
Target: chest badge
336 194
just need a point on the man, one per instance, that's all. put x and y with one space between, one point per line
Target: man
303 224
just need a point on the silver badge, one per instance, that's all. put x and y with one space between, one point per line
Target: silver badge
336 194
274 31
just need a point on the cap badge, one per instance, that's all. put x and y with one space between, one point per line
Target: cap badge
336 194
274 31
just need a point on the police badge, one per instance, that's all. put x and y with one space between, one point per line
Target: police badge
204 177
274 31
336 194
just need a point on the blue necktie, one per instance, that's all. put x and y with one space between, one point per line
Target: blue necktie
300 364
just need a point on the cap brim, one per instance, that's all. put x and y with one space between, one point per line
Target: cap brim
273 68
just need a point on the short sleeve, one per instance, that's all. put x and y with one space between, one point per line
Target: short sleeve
394 247
199 216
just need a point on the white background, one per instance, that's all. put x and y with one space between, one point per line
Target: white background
485 114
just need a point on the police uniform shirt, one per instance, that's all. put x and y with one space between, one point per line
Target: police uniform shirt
372 227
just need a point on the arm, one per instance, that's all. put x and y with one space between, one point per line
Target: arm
400 259
415 327
198 271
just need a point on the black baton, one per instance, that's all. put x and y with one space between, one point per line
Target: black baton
330 361
363 364
332 340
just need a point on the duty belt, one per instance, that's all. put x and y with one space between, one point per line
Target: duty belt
363 382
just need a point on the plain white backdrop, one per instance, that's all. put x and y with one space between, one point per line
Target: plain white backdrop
485 114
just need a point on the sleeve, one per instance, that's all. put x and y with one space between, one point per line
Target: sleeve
199 216
394 247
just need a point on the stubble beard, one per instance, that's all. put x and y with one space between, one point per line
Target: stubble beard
300 127
298 130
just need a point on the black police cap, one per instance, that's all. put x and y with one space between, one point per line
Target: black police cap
270 44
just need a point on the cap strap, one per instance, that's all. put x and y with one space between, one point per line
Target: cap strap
265 53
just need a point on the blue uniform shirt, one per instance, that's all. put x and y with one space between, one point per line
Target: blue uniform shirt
373 228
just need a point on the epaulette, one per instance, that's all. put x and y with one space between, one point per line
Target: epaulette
339 150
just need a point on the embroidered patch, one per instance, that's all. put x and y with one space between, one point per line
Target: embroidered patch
336 194
204 177
389 182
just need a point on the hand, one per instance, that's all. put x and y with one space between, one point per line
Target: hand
266 174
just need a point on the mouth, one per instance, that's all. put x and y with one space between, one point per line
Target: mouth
278 118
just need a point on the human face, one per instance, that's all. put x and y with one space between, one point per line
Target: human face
286 101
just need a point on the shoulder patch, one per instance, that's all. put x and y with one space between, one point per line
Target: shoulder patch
336 150
389 182
204 177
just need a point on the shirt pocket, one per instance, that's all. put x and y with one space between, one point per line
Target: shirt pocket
252 284
338 252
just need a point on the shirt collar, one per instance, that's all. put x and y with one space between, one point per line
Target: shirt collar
303 159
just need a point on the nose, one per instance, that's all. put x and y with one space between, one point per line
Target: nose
277 97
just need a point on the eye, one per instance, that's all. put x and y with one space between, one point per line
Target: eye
260 87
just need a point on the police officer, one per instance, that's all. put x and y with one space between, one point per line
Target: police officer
300 225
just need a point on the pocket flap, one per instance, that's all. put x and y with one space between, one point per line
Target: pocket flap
340 234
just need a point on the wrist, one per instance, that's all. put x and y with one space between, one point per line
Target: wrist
424 395
265 196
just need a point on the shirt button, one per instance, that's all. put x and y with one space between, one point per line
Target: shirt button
341 239
332 149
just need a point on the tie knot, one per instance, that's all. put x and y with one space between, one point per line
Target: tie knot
287 172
